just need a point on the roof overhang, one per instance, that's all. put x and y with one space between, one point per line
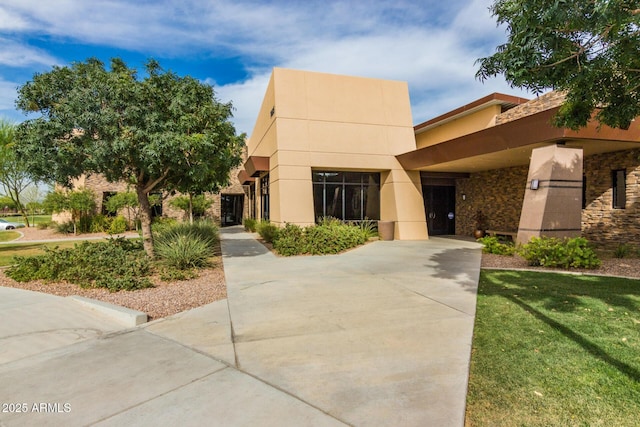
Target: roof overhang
515 137
244 178
255 165
482 103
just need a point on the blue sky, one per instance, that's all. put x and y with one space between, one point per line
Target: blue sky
234 44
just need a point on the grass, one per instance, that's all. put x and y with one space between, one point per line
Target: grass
8 235
552 349
33 219
8 251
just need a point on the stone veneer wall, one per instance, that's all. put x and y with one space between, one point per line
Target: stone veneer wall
99 185
497 193
601 224
541 103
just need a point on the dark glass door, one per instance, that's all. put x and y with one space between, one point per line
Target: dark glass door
232 206
440 208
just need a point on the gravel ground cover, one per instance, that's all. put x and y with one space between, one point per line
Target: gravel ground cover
165 299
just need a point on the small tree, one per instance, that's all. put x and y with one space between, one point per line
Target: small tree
192 205
153 132
125 200
14 177
80 203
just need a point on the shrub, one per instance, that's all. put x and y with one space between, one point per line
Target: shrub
64 227
552 252
369 228
493 245
622 251
250 224
185 245
332 237
162 223
118 225
100 223
171 274
116 264
268 231
44 225
291 240
184 251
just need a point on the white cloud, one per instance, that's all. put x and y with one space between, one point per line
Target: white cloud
7 94
430 44
16 54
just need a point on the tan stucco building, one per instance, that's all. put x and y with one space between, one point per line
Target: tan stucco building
330 145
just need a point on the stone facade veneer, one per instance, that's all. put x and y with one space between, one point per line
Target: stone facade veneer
498 194
601 224
537 105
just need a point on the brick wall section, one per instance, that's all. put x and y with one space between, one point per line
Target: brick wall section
541 103
99 185
601 224
497 193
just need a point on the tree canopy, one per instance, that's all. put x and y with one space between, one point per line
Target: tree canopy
14 177
159 132
589 49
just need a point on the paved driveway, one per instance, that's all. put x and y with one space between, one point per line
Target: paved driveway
380 335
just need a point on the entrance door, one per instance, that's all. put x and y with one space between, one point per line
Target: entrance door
231 209
440 207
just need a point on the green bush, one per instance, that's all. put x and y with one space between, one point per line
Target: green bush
332 237
118 225
117 264
493 245
184 251
250 224
268 231
64 227
623 250
369 228
185 245
100 223
291 240
552 252
44 225
161 223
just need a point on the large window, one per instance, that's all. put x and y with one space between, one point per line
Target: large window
618 178
264 192
346 195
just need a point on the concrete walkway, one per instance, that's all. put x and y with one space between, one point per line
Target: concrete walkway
380 335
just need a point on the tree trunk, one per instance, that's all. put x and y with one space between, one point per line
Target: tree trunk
145 220
190 208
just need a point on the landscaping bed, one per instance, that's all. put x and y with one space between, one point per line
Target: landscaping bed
165 299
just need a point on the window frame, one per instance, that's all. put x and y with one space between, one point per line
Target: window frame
619 188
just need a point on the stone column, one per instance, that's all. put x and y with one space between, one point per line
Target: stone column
552 203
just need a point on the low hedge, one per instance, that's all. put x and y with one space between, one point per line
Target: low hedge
328 237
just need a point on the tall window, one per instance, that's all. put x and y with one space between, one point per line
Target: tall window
618 178
264 193
346 195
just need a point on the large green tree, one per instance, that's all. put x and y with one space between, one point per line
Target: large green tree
588 48
149 132
14 177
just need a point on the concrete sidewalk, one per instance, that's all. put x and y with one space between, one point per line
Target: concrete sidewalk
380 335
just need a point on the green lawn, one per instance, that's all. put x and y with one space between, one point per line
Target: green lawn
9 250
555 350
8 235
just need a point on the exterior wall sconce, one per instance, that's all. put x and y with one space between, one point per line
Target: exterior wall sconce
534 184
464 196
273 111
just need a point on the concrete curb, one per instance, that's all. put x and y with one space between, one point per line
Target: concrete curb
124 315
